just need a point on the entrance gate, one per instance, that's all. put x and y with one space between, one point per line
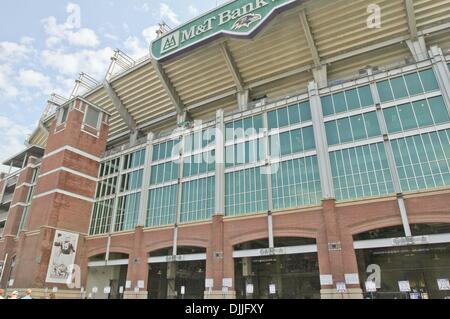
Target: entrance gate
290 270
177 277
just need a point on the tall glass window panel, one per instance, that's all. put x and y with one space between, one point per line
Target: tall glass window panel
101 217
423 161
161 210
419 114
127 213
296 183
411 84
197 200
361 172
349 100
245 192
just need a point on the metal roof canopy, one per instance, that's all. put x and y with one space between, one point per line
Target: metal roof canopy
18 160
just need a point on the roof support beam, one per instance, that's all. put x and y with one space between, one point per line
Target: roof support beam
121 109
168 87
232 66
411 16
309 38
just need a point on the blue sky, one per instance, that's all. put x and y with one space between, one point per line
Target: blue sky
44 46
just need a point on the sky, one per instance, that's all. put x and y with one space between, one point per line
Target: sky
45 44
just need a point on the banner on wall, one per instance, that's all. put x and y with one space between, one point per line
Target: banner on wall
62 258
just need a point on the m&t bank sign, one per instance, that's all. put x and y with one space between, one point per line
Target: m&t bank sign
237 18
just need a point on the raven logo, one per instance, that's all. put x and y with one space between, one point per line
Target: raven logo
246 21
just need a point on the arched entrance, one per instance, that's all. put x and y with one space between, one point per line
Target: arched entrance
107 279
404 267
177 277
290 270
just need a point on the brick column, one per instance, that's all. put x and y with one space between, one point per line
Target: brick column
64 191
219 262
19 201
337 259
137 267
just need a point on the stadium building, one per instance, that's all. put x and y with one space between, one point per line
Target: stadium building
266 149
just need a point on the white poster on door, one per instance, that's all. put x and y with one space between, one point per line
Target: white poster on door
62 258
443 284
404 286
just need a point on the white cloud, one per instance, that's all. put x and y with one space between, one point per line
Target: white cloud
167 13
134 48
193 10
34 79
64 32
6 87
145 7
150 33
16 51
93 62
13 137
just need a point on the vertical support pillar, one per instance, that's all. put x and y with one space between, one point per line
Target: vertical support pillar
442 72
320 137
146 181
268 172
418 48
337 259
220 164
243 99
138 267
390 157
219 256
320 75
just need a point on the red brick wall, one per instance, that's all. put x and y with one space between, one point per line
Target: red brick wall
222 234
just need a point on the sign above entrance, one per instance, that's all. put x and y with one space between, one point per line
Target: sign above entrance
240 18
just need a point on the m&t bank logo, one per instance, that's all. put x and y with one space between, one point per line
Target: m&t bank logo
170 42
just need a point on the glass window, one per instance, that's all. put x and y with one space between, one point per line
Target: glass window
423 161
399 88
392 120
197 200
272 120
414 84
422 112
352 99
327 105
296 183
407 117
92 117
340 105
245 192
332 133
294 114
439 110
63 113
385 92
127 213
429 80
344 129
308 138
283 119
359 130
361 172
372 125
365 95
161 209
305 112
